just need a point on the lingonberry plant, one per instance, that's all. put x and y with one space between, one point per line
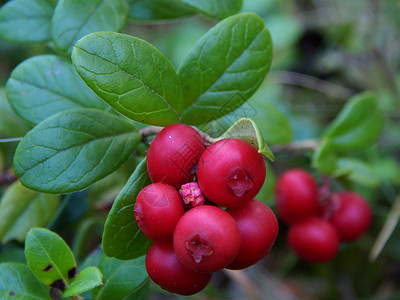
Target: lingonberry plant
137 168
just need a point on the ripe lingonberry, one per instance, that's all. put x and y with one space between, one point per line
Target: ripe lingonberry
165 270
230 172
157 210
258 228
314 240
350 214
173 153
206 239
296 196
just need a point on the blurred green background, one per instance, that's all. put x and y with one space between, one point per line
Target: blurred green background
325 51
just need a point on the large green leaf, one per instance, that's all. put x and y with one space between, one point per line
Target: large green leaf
49 258
131 75
122 279
21 209
358 171
86 280
71 150
122 238
74 19
10 124
358 124
18 283
26 21
219 9
145 10
45 85
225 67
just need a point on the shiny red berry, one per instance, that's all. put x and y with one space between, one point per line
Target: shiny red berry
258 228
350 214
165 270
314 240
157 210
230 172
173 153
296 196
206 239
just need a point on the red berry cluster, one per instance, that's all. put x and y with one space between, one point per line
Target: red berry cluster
317 226
182 210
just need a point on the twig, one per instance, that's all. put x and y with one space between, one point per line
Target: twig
296 146
10 140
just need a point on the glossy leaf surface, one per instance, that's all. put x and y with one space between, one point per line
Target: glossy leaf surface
218 9
147 10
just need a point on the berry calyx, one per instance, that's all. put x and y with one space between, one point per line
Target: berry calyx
206 239
230 172
173 153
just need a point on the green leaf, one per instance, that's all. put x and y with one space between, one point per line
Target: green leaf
73 19
122 238
49 258
146 10
17 282
122 279
26 21
358 171
10 124
268 189
45 85
21 209
218 9
73 149
358 124
225 67
324 158
131 75
247 130
86 280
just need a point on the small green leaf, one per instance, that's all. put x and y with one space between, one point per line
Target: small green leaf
21 209
147 10
26 21
247 130
45 85
49 258
122 238
71 150
324 158
86 280
18 282
122 279
218 9
131 75
268 189
358 124
242 46
10 124
358 171
74 19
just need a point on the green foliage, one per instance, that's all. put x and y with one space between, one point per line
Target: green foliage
242 45
18 282
219 9
122 238
87 279
21 209
145 10
75 148
139 82
26 21
10 124
47 84
74 19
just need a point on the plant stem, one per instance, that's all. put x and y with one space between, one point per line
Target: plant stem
10 140
311 144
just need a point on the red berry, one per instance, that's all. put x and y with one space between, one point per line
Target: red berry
314 240
230 172
206 239
350 214
157 210
165 270
296 196
258 228
173 153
